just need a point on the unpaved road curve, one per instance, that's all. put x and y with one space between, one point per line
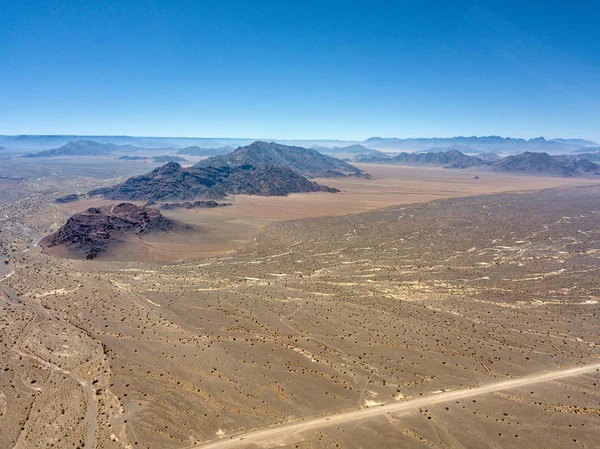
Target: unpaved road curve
290 433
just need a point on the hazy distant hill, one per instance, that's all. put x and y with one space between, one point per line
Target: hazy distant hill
172 181
581 142
594 157
351 149
83 148
535 163
308 162
494 144
166 158
462 148
578 163
449 159
491 157
31 143
197 151
595 149
133 158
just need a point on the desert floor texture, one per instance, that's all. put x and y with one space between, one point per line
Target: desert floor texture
420 283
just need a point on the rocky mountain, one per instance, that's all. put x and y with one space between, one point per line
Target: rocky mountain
308 162
448 159
578 163
90 233
83 148
172 181
197 151
535 163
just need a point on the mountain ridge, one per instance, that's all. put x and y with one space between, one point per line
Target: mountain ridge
171 181
306 161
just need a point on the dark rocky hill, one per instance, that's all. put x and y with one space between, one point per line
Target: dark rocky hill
68 199
201 204
308 162
171 181
90 233
534 163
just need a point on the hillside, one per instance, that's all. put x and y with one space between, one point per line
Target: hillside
171 181
90 233
309 163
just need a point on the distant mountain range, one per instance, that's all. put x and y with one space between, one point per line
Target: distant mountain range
543 163
449 159
172 181
84 148
528 162
486 144
305 161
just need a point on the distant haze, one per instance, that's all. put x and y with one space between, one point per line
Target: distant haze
484 144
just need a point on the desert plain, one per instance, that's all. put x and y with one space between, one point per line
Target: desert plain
280 311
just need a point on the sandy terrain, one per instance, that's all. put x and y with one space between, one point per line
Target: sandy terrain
292 433
316 317
393 185
223 230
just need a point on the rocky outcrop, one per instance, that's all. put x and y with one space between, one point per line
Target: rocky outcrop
210 204
91 233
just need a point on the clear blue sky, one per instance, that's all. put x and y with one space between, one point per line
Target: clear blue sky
300 69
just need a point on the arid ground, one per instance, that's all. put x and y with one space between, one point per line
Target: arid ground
303 307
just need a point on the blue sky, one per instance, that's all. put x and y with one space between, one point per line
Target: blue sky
284 69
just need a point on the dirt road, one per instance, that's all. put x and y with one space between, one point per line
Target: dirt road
290 433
